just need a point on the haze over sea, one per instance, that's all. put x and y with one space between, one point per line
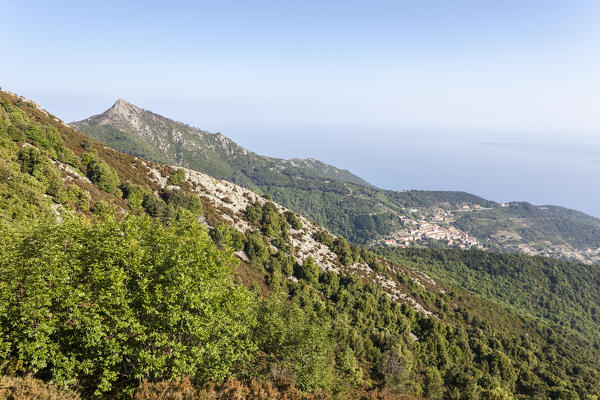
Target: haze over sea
559 170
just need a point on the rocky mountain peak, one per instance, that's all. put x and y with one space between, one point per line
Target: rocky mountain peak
124 108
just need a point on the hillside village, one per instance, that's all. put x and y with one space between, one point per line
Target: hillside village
425 224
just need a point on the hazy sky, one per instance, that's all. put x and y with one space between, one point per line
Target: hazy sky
365 85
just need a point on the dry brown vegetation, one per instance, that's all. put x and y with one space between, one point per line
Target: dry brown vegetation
233 389
29 388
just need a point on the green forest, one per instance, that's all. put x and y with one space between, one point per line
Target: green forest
114 287
565 293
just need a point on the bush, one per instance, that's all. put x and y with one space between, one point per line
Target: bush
49 176
135 195
297 342
293 220
178 177
75 196
187 200
102 174
225 235
254 213
309 270
156 207
256 248
29 158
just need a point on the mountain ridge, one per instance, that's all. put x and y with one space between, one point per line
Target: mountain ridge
346 204
129 117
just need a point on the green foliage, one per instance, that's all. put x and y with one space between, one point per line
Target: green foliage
297 342
30 158
183 199
268 218
434 384
343 250
309 270
102 174
256 248
165 205
293 220
135 195
74 196
323 237
254 213
282 262
36 163
224 235
394 369
156 206
178 177
562 292
117 302
22 195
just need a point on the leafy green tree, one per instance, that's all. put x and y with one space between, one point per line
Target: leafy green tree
293 220
309 270
296 342
181 198
348 369
394 367
224 235
102 174
30 157
434 384
178 177
110 303
256 248
344 251
75 196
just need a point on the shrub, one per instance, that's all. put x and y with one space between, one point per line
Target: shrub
309 270
49 176
102 174
226 235
75 196
29 158
178 177
256 248
254 213
157 207
187 200
298 343
293 220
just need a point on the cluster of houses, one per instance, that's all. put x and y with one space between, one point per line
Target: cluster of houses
423 230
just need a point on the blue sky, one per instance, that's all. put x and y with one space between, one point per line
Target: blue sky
354 83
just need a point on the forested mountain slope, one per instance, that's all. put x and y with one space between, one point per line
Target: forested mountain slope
344 203
142 133
121 278
561 292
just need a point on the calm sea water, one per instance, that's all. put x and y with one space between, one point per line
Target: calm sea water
559 170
